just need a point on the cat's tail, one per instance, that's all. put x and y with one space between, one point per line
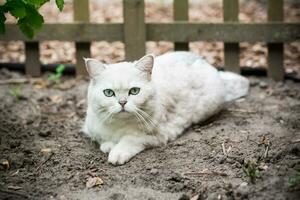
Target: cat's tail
236 86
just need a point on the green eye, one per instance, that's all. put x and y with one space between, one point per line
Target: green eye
108 92
134 90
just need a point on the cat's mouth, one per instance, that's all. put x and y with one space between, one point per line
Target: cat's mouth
123 110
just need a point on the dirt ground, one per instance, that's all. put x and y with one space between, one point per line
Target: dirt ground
45 156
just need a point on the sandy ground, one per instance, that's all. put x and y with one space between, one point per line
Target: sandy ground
44 155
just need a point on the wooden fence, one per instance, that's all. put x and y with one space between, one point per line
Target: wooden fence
134 32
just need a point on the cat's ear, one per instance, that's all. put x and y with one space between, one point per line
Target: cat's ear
145 64
93 66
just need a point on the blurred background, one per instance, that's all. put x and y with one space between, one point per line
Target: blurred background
252 54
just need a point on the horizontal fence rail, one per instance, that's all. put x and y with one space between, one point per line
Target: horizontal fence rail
173 32
134 32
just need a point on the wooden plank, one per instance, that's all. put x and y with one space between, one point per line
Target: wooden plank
174 32
181 13
77 31
32 59
134 29
81 14
226 32
275 50
231 50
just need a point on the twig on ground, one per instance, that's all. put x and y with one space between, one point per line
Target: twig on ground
50 155
265 141
206 172
296 141
266 151
228 150
242 111
203 127
224 149
14 193
19 81
14 81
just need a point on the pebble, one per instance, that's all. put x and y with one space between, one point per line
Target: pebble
117 196
213 196
242 190
263 85
45 133
253 83
14 144
221 159
154 171
184 197
29 121
176 177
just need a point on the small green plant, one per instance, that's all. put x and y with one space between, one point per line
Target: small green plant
295 180
58 73
16 92
251 170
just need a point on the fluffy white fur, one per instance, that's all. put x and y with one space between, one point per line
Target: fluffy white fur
176 90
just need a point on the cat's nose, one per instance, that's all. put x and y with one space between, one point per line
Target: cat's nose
122 102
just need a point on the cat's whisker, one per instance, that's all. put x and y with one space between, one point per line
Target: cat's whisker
141 123
149 126
142 120
113 110
147 116
149 123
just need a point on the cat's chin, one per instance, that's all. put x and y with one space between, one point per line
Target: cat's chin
122 114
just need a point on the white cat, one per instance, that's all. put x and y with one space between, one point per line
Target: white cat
135 105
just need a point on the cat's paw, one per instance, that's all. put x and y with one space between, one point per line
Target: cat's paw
118 156
106 147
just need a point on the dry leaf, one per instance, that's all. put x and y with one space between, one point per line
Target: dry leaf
5 163
40 84
12 187
56 99
94 181
46 150
195 197
67 84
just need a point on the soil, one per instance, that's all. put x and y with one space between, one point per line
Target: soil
44 155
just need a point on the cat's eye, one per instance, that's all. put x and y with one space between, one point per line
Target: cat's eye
108 92
134 90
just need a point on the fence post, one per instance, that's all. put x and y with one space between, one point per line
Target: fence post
32 59
81 14
231 50
181 13
275 50
134 29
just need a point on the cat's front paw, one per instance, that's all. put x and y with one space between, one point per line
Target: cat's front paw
106 147
118 156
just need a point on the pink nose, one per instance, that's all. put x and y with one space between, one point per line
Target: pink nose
122 102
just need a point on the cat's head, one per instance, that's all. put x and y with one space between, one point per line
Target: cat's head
122 89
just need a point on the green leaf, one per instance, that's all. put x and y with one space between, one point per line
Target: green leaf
33 17
37 3
295 180
26 28
60 4
19 12
2 20
16 8
53 77
60 69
